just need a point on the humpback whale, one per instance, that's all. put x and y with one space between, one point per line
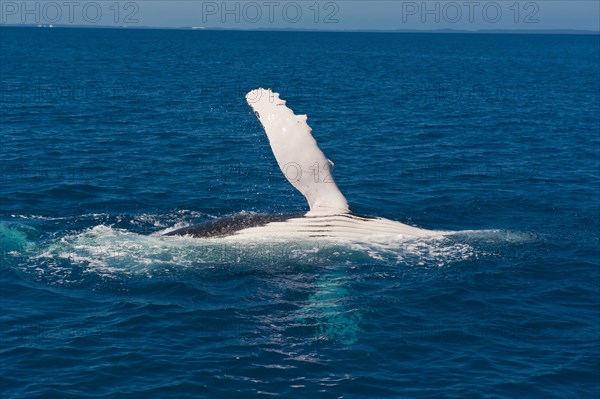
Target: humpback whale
305 167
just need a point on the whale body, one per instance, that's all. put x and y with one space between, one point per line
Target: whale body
347 226
305 167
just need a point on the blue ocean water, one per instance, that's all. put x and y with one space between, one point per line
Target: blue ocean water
110 137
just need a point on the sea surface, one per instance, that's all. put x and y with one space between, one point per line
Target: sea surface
111 137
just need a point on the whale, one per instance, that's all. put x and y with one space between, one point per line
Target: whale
307 169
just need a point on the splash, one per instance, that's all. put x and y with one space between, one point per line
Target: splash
109 251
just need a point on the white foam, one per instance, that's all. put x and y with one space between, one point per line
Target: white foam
107 251
112 252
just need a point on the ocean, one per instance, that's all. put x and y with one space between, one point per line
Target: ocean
111 137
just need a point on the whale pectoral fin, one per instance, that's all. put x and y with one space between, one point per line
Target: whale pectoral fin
299 157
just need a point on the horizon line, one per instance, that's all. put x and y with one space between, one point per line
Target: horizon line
202 28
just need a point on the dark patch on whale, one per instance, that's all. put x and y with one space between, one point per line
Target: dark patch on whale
231 224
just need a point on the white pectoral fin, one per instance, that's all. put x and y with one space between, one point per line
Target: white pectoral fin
297 153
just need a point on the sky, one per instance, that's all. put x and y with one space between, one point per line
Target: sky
310 14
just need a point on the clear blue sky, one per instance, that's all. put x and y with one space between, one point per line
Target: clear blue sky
311 14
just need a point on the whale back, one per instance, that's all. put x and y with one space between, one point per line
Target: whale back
230 225
347 226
